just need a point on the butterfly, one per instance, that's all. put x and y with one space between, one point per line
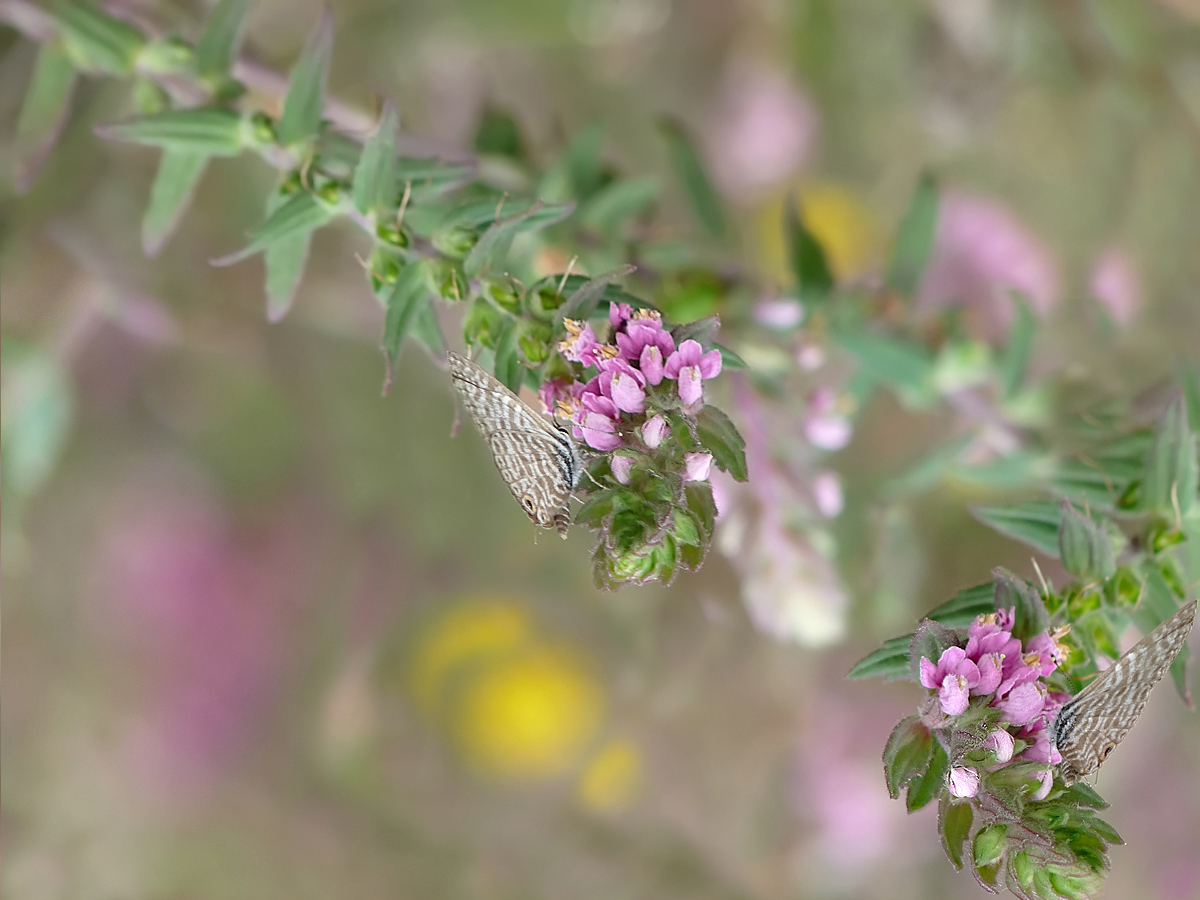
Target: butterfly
537 458
1095 720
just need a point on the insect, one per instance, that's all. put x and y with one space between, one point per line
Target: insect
537 459
1095 720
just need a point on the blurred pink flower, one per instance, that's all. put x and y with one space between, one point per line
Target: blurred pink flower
1047 782
621 467
1116 285
781 314
827 494
763 130
204 614
981 252
824 426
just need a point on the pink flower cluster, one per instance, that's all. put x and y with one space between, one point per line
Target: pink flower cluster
995 664
640 358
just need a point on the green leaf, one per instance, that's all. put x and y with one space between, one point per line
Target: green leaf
1034 522
427 330
499 134
284 260
44 112
179 172
98 42
906 368
718 435
889 662
1172 473
507 365
705 203
1084 545
702 331
610 208
914 239
431 177
596 509
38 409
375 176
208 130
929 641
813 276
1031 616
583 302
1020 340
954 825
964 607
686 529
1189 378
925 787
729 359
577 174
492 247
908 752
302 107
300 213
218 45
410 294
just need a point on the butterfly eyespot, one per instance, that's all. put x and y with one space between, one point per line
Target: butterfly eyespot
1107 750
527 504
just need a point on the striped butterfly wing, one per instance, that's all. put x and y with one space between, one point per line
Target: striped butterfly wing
1095 720
539 463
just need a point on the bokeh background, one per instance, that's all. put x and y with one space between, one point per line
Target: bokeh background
268 635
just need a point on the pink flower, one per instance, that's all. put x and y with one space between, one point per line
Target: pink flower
651 363
981 253
1002 742
825 428
827 493
654 430
619 314
696 466
621 383
1043 653
952 677
621 467
644 329
581 344
690 365
991 672
599 431
964 781
764 129
1116 285
559 397
1023 704
1037 736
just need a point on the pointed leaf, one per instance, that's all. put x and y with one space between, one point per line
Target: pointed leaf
929 641
813 276
96 41
611 207
905 367
954 825
305 99
729 359
44 111
222 33
375 176
1084 545
492 247
989 844
284 261
719 436
38 412
409 296
1172 473
507 365
208 130
581 304
914 239
705 203
924 787
300 213
1020 338
1017 593
179 172
889 662
908 752
1034 522
427 330
964 607
702 331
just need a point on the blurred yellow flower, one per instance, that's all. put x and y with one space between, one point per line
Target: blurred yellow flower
844 227
468 634
528 715
610 779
